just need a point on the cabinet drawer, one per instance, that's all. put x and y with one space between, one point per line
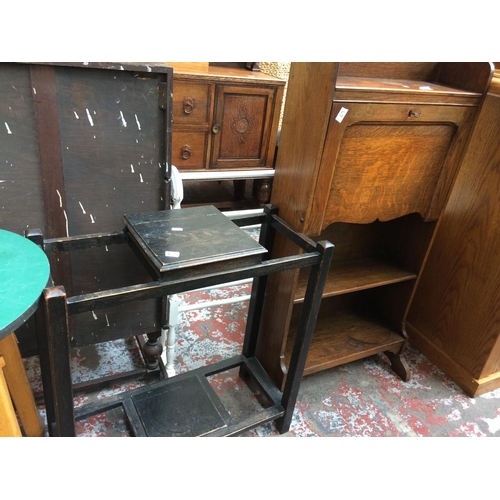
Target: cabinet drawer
191 103
189 149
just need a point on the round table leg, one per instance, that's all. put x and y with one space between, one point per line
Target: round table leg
19 387
9 426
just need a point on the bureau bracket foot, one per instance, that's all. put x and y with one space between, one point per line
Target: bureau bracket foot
399 365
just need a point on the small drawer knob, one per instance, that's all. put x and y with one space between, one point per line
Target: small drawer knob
216 128
188 105
185 152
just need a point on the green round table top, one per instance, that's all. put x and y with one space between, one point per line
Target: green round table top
24 273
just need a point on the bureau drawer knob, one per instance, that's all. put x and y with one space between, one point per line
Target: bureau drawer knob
185 152
414 113
216 128
188 105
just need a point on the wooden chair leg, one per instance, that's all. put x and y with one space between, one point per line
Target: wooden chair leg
9 426
19 387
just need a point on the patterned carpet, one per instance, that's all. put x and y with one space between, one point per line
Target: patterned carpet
362 398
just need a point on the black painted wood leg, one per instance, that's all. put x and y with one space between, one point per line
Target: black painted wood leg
399 365
36 236
305 329
152 351
57 338
239 189
266 238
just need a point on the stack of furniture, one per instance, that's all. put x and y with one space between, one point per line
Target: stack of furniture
225 124
455 314
367 158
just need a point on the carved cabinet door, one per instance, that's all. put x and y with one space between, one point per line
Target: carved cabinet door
241 129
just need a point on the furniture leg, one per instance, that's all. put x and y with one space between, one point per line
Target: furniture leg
262 191
307 322
9 426
36 236
254 315
239 189
43 356
19 387
168 335
152 351
399 365
56 314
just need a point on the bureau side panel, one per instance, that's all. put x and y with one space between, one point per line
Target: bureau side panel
456 305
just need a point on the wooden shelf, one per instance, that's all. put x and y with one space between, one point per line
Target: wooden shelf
356 89
352 276
344 336
391 85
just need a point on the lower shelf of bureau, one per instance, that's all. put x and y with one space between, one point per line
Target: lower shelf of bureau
342 336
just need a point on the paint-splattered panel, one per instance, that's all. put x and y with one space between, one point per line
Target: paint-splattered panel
21 202
113 150
80 146
112 136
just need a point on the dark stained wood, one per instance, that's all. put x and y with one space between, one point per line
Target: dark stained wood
175 240
56 316
367 157
139 67
166 85
20 187
43 79
454 316
186 404
102 147
220 274
46 112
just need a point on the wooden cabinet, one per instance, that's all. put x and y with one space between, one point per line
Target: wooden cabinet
225 119
368 155
455 313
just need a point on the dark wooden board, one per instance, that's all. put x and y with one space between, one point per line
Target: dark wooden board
88 143
21 200
177 239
